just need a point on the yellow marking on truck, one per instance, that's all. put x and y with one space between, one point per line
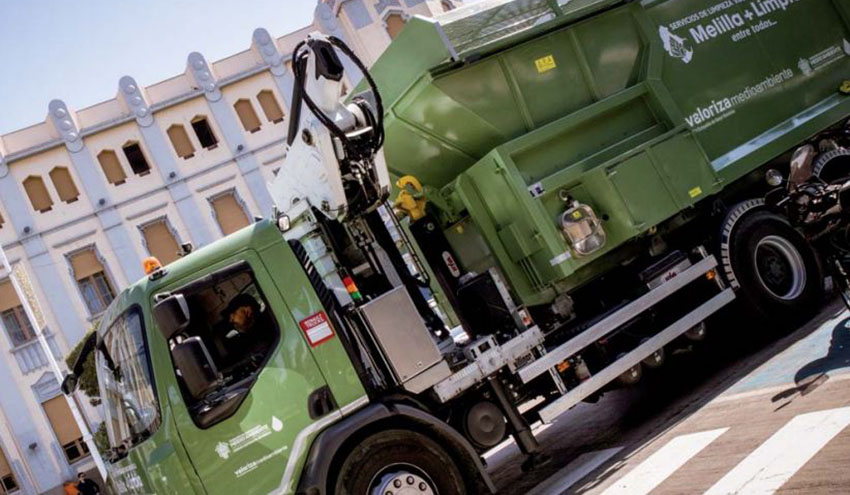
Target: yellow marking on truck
544 64
695 192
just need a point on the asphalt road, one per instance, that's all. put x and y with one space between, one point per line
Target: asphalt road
747 411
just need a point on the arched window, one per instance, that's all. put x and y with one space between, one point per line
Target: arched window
8 483
447 6
204 132
111 167
229 213
136 158
180 141
64 184
37 192
395 23
67 431
247 115
160 241
92 280
270 107
15 320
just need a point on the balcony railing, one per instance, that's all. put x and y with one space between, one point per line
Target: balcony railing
30 356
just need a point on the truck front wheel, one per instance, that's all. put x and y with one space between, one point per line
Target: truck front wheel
399 462
774 268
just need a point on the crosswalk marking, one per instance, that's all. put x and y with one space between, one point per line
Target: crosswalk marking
664 462
768 467
580 467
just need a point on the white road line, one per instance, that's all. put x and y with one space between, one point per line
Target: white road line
580 467
664 462
777 459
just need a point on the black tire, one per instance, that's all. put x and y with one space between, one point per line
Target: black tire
399 455
776 272
832 165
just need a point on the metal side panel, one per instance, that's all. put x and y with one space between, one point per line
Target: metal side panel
599 380
489 363
617 319
402 335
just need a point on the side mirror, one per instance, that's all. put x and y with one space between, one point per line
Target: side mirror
171 315
199 373
69 384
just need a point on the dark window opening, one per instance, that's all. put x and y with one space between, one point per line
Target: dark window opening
232 320
138 162
205 134
9 485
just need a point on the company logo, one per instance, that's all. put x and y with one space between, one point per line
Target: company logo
277 424
675 45
223 450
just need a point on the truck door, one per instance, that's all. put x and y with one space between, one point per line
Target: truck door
146 455
244 426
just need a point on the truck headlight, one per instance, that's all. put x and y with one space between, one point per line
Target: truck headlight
582 229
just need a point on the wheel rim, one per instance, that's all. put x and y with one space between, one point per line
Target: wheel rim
780 267
402 479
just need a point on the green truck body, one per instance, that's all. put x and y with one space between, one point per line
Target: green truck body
638 109
641 111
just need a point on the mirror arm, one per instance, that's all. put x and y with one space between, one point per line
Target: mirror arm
88 346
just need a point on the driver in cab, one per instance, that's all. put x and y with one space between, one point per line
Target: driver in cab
250 335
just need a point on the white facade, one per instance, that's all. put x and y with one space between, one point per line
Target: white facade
80 210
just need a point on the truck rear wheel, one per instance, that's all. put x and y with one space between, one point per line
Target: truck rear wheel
774 268
399 462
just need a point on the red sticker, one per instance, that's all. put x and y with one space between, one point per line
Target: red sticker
317 328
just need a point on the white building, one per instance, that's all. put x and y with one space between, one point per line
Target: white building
87 194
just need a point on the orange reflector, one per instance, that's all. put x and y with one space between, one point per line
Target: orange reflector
151 264
563 366
711 274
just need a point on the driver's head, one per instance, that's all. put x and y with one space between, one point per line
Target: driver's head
242 312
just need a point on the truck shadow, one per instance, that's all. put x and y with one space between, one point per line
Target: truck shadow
736 346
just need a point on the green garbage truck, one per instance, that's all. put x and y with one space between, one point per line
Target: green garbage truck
524 204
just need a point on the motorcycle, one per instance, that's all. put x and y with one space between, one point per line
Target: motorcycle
819 209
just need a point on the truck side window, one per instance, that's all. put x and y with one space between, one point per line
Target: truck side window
232 322
126 385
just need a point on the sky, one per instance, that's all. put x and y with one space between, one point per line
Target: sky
78 50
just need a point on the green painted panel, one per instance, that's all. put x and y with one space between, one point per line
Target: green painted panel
611 45
440 115
302 302
643 191
410 150
554 92
484 90
685 169
583 138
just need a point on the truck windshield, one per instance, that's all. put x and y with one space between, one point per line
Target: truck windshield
130 407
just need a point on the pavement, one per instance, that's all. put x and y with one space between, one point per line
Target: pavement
749 411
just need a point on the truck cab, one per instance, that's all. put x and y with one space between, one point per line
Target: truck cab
204 412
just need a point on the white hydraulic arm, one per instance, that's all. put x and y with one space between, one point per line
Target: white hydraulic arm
333 163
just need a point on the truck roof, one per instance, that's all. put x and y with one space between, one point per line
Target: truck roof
256 236
492 24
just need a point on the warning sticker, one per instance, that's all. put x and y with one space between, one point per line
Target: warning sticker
544 64
317 328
